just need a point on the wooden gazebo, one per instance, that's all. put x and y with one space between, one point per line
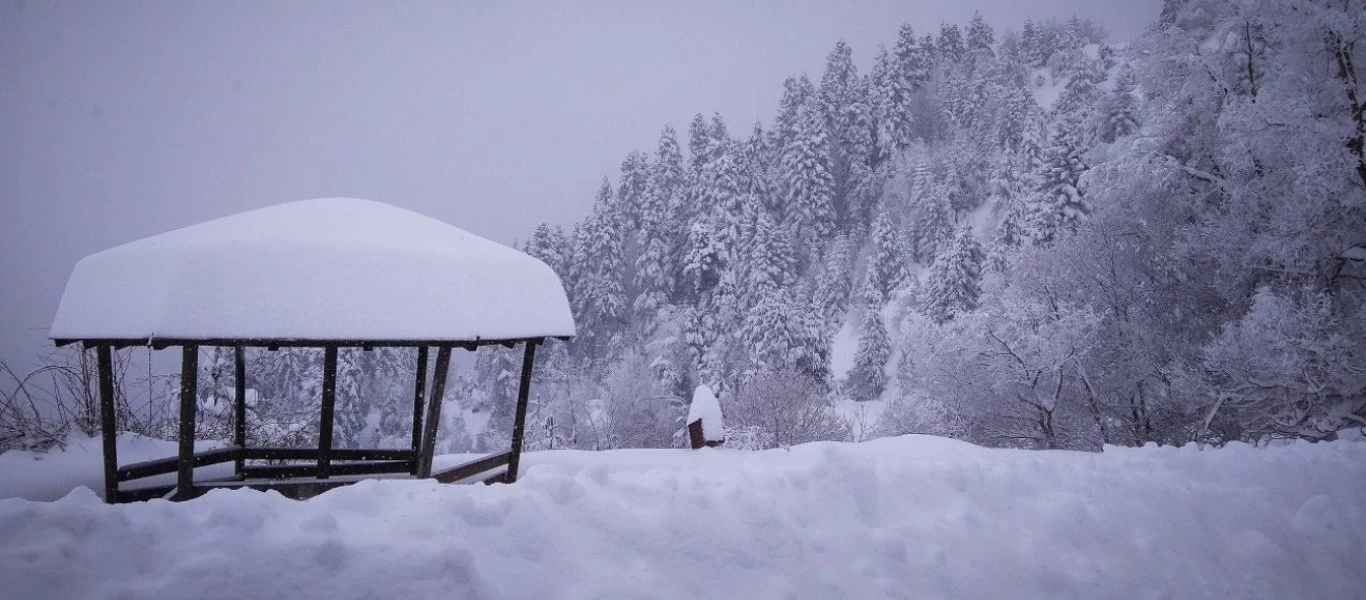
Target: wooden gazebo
329 274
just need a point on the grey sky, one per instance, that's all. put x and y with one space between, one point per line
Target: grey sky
124 119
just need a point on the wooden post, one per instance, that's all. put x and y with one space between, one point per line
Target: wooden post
325 415
519 425
189 389
239 429
696 437
104 365
443 364
419 391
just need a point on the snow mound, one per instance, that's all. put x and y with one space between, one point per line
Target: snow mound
909 517
705 406
324 269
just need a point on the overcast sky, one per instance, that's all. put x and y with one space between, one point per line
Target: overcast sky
119 120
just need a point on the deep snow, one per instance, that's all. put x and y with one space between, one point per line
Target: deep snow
322 269
909 517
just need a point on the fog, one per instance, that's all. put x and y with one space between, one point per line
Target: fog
122 120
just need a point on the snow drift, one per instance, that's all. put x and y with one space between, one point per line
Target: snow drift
910 517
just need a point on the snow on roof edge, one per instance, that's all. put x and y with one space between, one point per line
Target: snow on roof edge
323 270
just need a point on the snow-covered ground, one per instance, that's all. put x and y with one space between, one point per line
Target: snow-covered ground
909 517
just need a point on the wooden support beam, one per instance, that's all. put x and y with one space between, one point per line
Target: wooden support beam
519 425
472 468
148 493
277 343
338 469
189 389
239 388
104 365
443 364
419 392
326 414
335 454
170 465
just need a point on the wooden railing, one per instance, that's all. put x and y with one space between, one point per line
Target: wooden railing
472 468
169 465
343 462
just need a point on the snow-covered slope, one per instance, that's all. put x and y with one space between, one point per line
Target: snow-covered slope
910 517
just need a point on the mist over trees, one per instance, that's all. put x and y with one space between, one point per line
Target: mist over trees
1038 238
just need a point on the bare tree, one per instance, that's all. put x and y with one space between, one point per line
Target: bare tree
786 409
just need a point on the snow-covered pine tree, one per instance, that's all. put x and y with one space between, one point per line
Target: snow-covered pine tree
757 169
1019 117
845 104
652 269
699 142
635 177
781 333
886 266
669 173
1120 114
807 186
1049 42
981 40
731 208
1082 97
949 44
550 246
870 184
868 377
703 262
601 298
830 296
389 375
352 411
497 371
768 262
932 216
883 96
1011 184
896 78
955 282
288 382
1029 45
719 135
837 88
1059 203
669 182
796 92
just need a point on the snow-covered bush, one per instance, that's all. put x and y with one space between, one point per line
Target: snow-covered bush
1287 369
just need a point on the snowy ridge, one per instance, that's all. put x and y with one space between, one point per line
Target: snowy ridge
323 269
908 517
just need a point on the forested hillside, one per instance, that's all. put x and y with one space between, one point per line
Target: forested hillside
1040 238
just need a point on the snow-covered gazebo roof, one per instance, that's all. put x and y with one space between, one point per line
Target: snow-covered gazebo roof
331 270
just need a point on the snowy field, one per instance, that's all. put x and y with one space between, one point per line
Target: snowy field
910 517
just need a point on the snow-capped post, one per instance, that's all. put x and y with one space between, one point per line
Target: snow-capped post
419 393
239 404
705 427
